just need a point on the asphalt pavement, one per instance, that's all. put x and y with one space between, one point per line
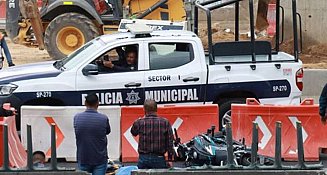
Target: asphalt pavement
181 164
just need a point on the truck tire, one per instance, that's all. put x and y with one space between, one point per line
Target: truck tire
225 110
246 160
67 32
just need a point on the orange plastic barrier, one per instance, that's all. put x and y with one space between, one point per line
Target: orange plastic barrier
188 120
271 17
17 153
2 10
314 132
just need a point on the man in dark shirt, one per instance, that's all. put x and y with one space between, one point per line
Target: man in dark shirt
155 138
129 64
91 130
323 104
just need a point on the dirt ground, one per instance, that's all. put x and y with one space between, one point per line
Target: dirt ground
313 57
23 55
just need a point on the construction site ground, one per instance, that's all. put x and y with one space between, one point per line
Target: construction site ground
313 57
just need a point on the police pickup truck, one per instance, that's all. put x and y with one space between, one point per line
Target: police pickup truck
172 68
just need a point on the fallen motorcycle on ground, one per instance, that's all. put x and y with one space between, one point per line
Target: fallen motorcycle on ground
211 149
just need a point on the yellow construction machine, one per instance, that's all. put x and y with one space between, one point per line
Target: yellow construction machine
62 26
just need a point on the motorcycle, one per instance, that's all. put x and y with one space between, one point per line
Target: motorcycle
211 149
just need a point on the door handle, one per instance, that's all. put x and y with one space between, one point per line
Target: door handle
133 84
191 79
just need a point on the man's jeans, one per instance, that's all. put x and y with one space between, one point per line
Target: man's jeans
6 51
147 161
94 169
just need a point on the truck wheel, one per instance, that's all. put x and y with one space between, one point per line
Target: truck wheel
225 114
68 32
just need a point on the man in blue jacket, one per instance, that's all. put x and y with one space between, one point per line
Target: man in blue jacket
323 104
91 130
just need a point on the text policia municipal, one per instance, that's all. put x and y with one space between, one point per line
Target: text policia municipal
132 97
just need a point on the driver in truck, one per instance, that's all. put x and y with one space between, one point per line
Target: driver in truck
129 64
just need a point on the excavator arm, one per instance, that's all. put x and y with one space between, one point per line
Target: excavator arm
156 9
32 18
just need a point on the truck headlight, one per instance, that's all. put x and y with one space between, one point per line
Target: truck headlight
7 89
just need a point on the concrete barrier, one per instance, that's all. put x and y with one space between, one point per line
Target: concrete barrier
230 172
41 117
313 82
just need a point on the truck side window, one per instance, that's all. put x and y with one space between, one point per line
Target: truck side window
119 59
169 55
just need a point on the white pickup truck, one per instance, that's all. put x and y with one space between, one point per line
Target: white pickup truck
171 68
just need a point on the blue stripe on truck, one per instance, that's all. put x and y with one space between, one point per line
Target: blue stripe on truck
167 94
6 80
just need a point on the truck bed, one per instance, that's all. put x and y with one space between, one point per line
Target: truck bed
280 57
241 52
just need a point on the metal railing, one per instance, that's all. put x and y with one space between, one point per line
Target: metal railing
53 165
301 165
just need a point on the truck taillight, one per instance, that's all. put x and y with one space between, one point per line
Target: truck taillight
299 79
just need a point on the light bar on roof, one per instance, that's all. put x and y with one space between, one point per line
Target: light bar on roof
154 24
138 28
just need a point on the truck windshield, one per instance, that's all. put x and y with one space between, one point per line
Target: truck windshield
76 57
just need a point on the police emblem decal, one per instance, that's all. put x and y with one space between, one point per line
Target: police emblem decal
133 97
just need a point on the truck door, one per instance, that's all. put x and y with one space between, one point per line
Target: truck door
175 73
115 86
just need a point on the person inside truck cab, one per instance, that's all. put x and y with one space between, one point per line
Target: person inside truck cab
125 65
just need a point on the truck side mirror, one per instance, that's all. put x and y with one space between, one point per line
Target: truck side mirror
90 69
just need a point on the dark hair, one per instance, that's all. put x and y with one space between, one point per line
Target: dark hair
150 106
39 152
106 57
91 99
131 48
131 51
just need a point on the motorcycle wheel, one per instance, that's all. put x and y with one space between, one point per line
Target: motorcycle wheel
246 160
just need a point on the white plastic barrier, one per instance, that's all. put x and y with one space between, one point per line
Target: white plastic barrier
41 117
